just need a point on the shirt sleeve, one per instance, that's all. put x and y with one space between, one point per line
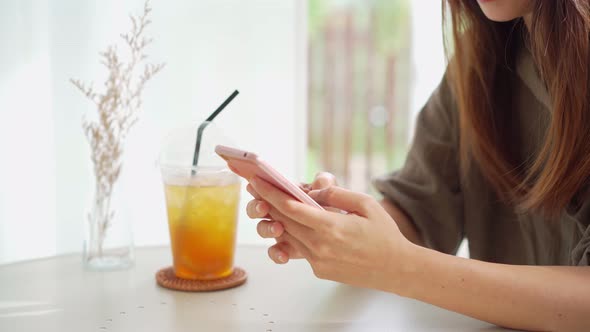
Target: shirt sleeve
580 254
427 187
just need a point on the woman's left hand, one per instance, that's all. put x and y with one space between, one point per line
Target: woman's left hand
362 248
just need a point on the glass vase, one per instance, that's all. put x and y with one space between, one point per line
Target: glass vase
108 242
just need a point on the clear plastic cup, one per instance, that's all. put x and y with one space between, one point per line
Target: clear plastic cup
202 205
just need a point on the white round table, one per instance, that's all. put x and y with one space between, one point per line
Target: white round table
57 294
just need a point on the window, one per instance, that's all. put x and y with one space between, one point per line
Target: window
372 65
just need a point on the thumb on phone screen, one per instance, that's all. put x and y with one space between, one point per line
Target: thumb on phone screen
322 180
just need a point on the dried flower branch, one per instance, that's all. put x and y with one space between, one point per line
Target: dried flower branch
117 108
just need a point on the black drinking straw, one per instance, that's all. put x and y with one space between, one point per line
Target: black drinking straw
205 124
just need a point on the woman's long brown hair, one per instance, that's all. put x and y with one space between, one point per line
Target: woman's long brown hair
481 62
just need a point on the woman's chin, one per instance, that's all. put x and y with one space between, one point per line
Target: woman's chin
504 10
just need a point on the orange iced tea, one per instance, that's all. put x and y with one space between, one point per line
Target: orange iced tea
202 220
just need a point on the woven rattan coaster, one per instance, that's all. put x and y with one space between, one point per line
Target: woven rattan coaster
167 279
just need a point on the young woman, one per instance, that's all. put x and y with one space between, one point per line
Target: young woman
501 157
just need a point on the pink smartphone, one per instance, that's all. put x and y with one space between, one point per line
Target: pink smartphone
247 164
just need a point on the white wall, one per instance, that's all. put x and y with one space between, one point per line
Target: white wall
211 48
27 160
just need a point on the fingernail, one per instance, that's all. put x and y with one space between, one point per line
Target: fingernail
258 208
273 229
281 258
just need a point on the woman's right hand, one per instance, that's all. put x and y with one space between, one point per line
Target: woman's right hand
272 227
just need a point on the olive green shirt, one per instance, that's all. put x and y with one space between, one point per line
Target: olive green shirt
446 207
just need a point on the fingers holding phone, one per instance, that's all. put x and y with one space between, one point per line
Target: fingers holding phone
258 208
286 247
